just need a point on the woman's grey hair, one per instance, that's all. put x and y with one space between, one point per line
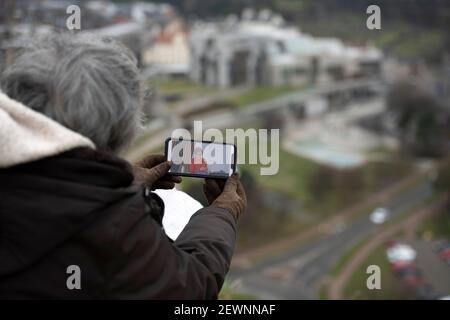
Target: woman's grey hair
88 84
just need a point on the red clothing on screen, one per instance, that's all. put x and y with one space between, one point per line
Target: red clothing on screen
198 165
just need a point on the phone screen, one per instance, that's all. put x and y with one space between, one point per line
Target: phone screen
201 158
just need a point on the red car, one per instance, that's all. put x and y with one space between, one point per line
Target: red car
445 253
401 264
390 243
413 280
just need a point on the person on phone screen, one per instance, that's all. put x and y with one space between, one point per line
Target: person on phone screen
198 163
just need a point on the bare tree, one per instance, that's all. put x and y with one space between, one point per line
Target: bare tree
422 122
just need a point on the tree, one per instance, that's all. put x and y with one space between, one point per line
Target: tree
320 182
338 186
421 121
442 182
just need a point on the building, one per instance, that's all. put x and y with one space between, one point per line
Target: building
169 53
264 51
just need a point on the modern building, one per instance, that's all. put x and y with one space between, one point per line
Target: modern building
264 51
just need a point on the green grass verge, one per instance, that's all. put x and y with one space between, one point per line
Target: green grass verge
391 286
294 175
323 294
167 86
259 94
291 177
437 226
228 293
342 262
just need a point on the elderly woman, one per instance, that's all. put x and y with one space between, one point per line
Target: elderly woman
75 221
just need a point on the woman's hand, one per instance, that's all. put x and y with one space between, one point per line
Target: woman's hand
229 195
152 173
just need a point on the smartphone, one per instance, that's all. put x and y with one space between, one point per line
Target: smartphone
203 159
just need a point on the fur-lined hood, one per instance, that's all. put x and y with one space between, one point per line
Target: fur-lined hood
27 135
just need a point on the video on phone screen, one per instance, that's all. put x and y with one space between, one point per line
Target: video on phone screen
206 159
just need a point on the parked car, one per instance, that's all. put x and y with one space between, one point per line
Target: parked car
445 254
443 249
390 243
441 244
401 253
410 275
425 291
413 279
401 264
409 271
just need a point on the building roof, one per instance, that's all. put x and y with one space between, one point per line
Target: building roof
292 40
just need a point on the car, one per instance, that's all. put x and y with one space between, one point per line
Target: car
413 280
390 243
445 254
442 247
441 244
399 265
409 272
338 228
379 215
411 276
401 253
425 291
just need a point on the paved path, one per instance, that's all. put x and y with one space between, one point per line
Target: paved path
337 285
435 270
295 273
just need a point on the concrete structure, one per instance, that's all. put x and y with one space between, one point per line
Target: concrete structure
263 51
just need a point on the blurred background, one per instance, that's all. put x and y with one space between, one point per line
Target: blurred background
364 119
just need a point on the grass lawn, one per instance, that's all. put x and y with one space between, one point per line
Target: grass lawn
260 94
291 178
397 37
337 268
391 286
438 226
423 43
228 293
167 86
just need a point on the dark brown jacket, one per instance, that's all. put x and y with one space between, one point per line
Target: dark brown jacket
80 208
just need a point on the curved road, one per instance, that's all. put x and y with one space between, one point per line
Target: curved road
295 274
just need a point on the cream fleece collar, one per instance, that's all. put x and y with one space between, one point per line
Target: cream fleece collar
27 135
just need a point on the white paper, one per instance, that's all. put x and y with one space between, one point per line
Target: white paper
178 209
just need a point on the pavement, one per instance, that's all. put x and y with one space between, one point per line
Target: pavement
408 225
435 270
296 273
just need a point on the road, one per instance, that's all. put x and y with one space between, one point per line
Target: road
295 274
435 270
408 225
